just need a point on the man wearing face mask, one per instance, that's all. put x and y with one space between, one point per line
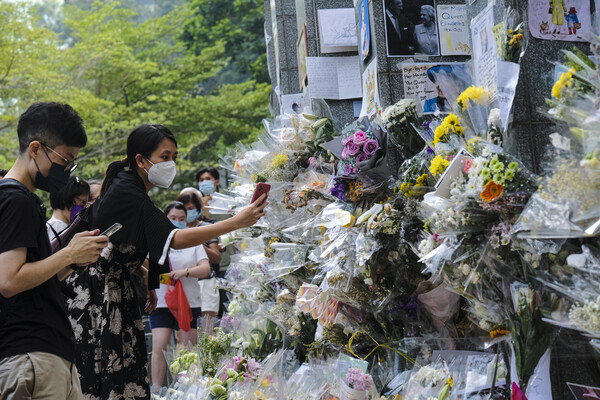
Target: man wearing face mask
37 346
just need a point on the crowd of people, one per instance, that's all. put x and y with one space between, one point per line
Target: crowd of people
70 321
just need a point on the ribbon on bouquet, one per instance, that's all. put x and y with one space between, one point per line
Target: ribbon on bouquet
378 345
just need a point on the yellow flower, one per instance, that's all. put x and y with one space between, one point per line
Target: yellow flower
496 333
279 160
404 187
473 94
438 165
449 125
565 80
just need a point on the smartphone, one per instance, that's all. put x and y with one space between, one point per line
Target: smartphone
113 229
261 188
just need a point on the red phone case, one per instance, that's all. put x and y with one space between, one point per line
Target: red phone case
261 188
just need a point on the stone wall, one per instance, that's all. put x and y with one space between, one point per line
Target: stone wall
530 125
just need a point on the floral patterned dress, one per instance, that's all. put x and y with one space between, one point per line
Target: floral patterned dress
111 355
108 327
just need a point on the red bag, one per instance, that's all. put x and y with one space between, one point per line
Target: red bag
179 306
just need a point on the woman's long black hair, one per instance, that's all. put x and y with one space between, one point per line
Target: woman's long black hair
142 140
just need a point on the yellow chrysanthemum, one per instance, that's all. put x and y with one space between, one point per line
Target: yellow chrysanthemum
565 80
450 125
438 165
473 94
279 160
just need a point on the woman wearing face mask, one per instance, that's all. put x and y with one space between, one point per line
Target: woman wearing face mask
187 265
111 351
66 204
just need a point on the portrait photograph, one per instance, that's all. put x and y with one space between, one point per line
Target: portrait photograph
411 28
363 25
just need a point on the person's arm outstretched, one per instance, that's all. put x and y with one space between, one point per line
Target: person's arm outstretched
196 236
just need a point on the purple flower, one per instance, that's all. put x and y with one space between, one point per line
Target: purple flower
361 157
429 150
339 189
354 170
370 147
349 139
358 380
348 169
360 137
352 149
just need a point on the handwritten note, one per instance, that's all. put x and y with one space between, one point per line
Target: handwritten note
453 26
484 50
499 31
337 30
418 86
334 77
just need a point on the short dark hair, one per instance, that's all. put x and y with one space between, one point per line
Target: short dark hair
53 124
175 205
211 170
64 199
3 172
187 198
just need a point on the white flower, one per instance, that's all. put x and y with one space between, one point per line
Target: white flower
465 269
494 118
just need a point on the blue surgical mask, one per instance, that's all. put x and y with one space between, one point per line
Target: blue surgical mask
206 187
192 215
179 224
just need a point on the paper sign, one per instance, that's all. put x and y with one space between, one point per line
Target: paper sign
365 29
499 31
334 77
453 26
484 50
337 30
567 20
508 77
418 86
370 102
292 103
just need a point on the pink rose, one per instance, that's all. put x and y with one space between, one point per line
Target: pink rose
360 137
348 169
361 157
352 149
370 147
345 153
354 170
468 165
349 139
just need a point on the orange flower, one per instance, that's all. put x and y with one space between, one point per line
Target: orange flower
491 192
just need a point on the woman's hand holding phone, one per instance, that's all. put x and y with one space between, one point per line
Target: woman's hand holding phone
251 214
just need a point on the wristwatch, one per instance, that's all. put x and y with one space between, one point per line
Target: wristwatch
187 272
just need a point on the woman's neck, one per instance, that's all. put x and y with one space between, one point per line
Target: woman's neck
62 215
193 224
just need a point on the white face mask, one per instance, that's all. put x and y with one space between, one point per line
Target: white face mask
162 174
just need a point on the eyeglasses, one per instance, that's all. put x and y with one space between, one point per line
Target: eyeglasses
69 165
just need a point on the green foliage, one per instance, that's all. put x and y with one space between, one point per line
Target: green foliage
119 69
240 23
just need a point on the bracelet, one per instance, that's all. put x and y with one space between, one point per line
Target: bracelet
187 272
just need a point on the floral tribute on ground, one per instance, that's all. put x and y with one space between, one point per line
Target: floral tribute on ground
404 257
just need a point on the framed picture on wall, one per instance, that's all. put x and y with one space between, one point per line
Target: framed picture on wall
363 25
301 53
411 28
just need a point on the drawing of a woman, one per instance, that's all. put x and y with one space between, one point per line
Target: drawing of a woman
559 10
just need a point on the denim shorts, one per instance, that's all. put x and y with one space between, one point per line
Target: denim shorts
163 318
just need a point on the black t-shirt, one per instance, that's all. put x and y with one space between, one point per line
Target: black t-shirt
34 320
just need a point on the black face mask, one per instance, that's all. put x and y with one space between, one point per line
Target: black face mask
56 179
